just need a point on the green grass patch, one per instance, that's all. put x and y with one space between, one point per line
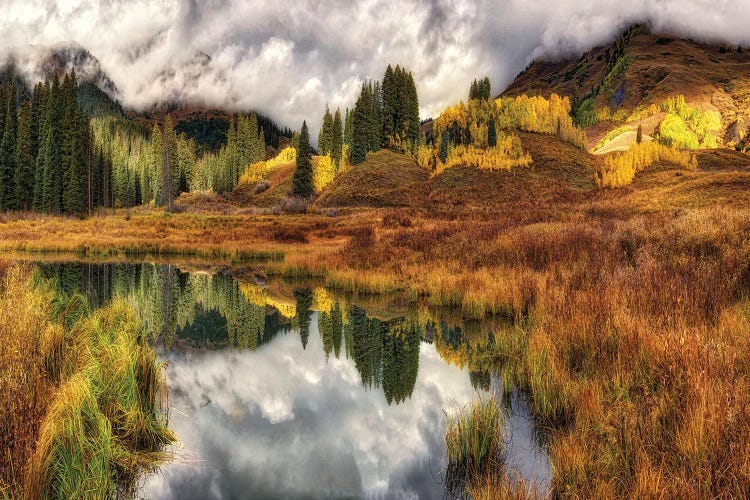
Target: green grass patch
105 424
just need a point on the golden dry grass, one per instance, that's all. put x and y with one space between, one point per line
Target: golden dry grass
631 306
81 394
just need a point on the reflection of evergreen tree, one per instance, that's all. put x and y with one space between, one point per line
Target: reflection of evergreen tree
366 340
325 328
304 299
401 362
480 380
206 327
336 328
451 335
386 354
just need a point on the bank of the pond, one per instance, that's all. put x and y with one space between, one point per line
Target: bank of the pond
81 392
631 337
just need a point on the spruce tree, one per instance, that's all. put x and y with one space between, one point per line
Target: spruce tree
40 101
256 144
445 140
491 134
473 91
348 128
75 175
52 189
390 97
153 176
8 152
170 171
360 123
412 128
302 182
325 137
337 140
375 119
24 175
639 134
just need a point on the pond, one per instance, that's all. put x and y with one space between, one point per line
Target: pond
288 390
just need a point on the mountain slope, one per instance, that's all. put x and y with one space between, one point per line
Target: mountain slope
618 83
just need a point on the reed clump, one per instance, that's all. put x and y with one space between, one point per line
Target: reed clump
86 395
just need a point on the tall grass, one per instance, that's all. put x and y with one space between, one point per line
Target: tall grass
82 395
474 443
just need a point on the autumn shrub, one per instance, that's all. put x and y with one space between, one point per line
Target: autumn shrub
506 155
686 127
324 171
619 169
286 234
294 205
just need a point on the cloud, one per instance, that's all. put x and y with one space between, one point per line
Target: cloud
289 59
285 422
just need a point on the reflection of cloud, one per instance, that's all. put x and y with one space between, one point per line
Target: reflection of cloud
284 422
288 59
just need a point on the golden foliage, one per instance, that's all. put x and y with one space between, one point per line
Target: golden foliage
324 171
537 114
260 170
620 169
507 154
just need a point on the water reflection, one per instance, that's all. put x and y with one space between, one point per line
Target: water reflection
290 391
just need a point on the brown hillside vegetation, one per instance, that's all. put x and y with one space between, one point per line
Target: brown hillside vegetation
386 179
657 66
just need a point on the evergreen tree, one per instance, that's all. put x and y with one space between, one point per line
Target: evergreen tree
257 144
348 128
639 134
445 140
390 99
41 105
491 133
53 158
411 124
325 137
152 186
302 183
480 89
8 151
75 175
375 119
360 122
337 140
24 174
170 171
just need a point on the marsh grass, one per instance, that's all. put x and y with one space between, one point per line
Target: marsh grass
474 443
84 391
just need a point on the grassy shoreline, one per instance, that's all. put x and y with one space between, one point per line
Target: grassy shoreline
632 327
83 394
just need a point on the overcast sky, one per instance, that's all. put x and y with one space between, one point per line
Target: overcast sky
288 59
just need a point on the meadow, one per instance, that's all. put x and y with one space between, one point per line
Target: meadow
631 321
630 307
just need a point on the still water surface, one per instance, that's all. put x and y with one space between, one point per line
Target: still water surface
289 391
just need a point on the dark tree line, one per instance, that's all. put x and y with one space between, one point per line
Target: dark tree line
481 89
48 161
386 115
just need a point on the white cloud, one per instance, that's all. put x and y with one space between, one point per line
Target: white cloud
284 422
288 59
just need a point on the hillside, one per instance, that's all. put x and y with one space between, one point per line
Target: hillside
618 83
207 126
